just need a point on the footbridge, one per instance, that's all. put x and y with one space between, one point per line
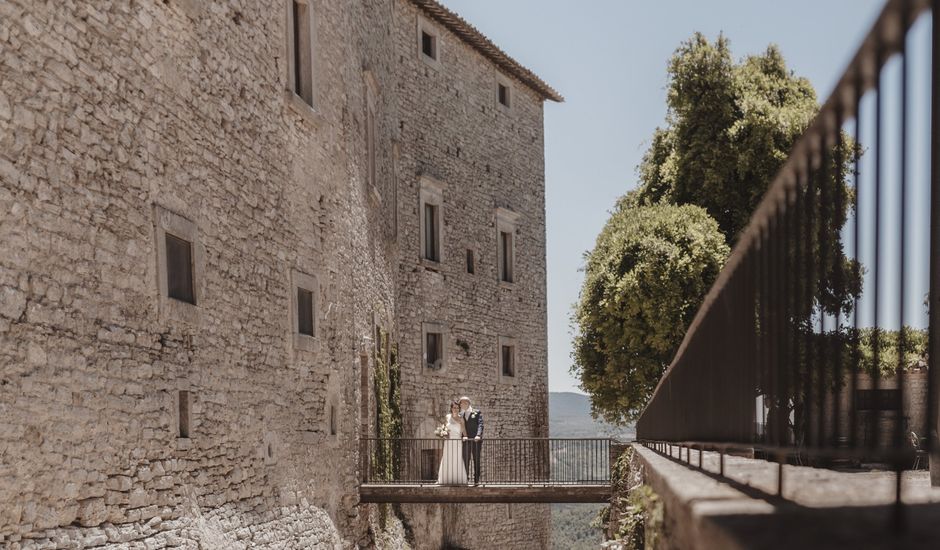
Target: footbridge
534 470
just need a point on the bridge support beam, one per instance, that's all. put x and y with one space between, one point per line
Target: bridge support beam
436 494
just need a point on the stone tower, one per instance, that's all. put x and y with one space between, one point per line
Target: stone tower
206 211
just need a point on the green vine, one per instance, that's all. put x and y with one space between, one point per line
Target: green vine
639 509
388 421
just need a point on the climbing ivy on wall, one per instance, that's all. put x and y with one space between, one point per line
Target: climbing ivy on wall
387 407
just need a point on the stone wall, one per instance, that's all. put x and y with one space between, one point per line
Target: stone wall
115 117
111 113
484 157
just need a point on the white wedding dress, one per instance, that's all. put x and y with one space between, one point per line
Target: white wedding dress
452 470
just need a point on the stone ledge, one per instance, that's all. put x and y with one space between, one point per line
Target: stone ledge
822 509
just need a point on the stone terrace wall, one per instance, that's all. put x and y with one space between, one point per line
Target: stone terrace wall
108 109
486 157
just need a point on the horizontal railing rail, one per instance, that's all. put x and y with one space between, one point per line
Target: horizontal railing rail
500 461
812 345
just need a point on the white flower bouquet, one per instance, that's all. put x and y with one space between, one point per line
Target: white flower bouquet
442 431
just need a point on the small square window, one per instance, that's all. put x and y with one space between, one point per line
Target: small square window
180 265
508 360
179 269
503 94
471 263
430 204
303 301
434 350
429 44
305 311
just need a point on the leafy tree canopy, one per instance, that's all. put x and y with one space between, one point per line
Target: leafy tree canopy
729 129
644 280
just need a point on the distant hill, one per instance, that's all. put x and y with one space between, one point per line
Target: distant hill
569 415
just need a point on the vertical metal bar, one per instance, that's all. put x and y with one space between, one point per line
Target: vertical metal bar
812 283
933 309
902 235
821 366
876 265
857 269
838 280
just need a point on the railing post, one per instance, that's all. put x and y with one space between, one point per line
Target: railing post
933 312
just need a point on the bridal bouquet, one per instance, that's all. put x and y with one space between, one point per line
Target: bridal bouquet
442 431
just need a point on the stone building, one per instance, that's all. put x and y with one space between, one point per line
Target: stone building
207 210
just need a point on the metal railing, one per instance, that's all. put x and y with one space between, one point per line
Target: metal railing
812 344
519 461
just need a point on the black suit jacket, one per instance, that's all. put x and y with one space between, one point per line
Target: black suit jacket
474 422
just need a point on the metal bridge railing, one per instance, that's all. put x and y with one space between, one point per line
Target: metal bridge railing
812 345
518 461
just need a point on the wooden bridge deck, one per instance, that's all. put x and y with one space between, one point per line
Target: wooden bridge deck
486 493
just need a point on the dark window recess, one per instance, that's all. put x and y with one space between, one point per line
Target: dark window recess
184 414
509 369
179 269
305 312
332 419
877 400
504 95
431 233
428 45
434 350
471 267
505 249
302 63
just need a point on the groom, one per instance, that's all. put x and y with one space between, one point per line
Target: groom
473 443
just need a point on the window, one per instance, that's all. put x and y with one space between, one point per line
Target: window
370 143
304 305
332 419
471 267
184 424
300 46
506 221
505 254
502 94
508 367
180 265
305 311
506 349
179 269
878 400
432 245
435 351
431 199
428 44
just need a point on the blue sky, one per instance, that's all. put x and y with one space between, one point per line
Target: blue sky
608 58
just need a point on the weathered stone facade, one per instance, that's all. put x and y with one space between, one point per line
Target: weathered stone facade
119 120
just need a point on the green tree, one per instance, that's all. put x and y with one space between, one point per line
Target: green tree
644 280
729 129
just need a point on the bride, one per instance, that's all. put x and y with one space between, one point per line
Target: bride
452 470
